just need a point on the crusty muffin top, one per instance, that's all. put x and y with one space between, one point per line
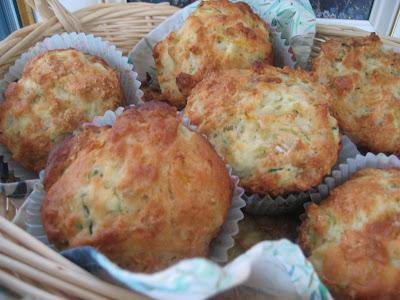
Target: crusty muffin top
364 79
271 125
353 236
146 192
218 35
58 91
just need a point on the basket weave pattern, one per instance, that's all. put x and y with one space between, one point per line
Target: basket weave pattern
121 24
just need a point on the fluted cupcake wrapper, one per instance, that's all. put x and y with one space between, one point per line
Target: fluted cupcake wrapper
344 171
82 42
30 218
268 205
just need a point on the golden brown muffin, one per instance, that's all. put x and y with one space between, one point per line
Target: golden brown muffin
271 125
218 35
353 236
146 192
58 91
364 79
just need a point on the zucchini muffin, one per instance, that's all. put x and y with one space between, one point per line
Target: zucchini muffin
139 191
353 236
364 79
271 125
218 35
58 91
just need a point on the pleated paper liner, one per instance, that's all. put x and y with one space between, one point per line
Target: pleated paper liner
268 205
344 171
82 42
30 217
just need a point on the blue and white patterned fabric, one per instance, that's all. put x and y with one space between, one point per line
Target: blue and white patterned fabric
276 269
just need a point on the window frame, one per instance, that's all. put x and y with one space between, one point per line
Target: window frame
9 20
381 20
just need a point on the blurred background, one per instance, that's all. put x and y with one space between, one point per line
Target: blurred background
381 16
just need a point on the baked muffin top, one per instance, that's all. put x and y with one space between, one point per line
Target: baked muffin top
146 192
218 35
58 91
353 236
364 79
271 125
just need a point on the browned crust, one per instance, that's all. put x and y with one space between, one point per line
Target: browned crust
138 191
58 161
352 237
364 80
226 104
150 94
58 91
64 153
188 55
302 239
185 83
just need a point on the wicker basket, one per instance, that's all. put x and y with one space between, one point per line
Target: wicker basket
121 24
26 266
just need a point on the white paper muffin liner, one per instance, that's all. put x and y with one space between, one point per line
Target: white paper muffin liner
82 42
269 205
292 23
30 218
344 171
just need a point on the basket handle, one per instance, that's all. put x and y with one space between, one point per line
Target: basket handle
50 8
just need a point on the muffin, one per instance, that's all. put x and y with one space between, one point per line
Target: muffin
353 236
271 125
58 91
139 191
364 79
218 35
